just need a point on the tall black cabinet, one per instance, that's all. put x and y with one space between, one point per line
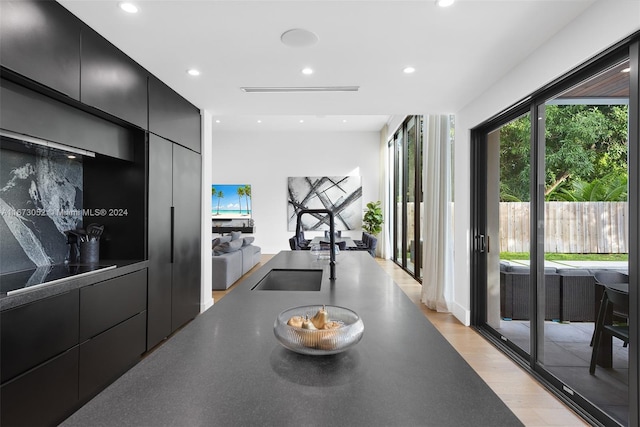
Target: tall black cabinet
61 81
174 237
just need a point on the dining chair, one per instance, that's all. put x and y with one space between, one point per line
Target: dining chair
337 233
619 300
302 241
604 278
341 245
293 244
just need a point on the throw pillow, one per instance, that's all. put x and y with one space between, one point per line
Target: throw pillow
218 240
248 240
227 247
235 235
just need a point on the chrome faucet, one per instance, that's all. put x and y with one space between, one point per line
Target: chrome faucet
332 237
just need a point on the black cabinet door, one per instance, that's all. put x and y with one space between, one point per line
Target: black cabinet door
31 113
41 40
185 289
111 81
43 396
35 332
105 304
159 238
107 356
173 117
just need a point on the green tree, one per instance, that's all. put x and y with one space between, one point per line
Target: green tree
220 196
247 194
583 144
240 194
515 142
610 188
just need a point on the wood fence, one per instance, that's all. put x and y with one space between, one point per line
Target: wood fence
570 227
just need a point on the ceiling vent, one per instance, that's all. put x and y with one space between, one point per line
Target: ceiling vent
300 89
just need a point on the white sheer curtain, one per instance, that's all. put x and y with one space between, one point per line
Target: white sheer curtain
437 284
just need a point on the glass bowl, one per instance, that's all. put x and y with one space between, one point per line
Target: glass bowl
319 342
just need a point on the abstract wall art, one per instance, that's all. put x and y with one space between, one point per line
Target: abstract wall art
342 194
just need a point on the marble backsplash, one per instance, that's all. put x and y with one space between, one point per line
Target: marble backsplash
40 198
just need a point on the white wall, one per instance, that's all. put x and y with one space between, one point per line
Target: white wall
266 159
601 26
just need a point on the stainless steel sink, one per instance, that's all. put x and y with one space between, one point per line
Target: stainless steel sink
290 280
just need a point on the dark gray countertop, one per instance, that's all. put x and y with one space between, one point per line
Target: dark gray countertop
73 282
226 368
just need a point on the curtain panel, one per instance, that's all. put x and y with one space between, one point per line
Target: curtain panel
437 285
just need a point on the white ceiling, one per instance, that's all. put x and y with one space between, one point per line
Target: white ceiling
458 52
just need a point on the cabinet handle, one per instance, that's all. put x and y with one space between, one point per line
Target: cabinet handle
172 230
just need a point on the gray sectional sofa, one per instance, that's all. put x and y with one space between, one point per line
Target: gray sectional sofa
233 256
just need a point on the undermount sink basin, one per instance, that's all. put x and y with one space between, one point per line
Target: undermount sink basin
290 280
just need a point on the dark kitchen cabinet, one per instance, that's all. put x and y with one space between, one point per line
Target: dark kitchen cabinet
111 302
44 395
113 330
35 332
107 356
173 117
41 40
174 238
111 81
185 289
29 112
59 351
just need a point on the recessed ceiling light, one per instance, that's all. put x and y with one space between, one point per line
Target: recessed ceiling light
344 121
444 3
307 71
217 120
71 156
409 70
626 70
259 121
301 121
193 72
128 7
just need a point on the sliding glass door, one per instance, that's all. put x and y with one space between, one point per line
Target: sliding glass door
551 210
407 196
507 229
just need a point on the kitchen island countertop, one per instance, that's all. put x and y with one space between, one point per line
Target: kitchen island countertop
226 367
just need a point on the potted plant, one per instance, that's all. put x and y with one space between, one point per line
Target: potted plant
373 218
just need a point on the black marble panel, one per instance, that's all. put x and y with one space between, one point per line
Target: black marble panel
40 198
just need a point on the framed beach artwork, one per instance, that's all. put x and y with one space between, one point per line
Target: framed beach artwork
341 194
230 201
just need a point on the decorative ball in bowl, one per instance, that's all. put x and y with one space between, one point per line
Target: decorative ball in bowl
318 329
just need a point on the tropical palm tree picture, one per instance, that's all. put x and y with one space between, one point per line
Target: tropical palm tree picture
231 201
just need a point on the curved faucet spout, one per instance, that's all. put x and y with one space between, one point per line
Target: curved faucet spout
332 238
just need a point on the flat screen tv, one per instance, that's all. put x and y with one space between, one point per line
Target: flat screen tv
230 201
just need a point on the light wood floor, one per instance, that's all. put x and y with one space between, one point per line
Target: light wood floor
528 400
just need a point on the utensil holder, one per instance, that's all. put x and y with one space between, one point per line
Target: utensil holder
89 252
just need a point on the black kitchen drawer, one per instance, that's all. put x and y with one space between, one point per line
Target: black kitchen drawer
32 333
110 302
105 357
45 395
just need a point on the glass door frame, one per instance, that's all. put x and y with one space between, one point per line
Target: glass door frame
400 243
628 48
